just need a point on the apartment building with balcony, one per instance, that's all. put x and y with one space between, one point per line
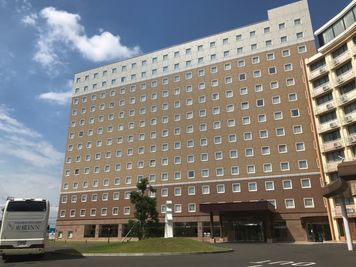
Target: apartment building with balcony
332 88
219 126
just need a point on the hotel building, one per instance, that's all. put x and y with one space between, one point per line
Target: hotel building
220 126
331 80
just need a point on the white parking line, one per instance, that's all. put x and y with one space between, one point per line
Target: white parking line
279 263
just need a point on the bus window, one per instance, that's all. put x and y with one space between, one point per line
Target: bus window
26 206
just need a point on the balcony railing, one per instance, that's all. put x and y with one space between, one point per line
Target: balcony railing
344 77
324 107
351 140
340 59
333 145
349 118
351 211
321 89
345 98
328 126
354 50
332 166
317 72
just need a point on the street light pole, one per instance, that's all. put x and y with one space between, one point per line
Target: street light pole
109 230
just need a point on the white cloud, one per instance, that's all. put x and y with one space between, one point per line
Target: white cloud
23 143
12 126
63 30
31 185
60 98
30 166
29 19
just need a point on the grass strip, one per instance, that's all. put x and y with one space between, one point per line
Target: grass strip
153 245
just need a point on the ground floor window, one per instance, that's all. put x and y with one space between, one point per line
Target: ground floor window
70 234
60 234
280 230
108 230
207 230
89 230
318 232
185 229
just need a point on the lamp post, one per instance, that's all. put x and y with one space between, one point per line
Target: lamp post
109 230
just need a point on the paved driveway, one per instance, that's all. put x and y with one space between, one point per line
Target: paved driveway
244 255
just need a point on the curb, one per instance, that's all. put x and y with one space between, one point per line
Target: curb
152 254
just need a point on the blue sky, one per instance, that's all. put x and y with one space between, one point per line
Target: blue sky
43 43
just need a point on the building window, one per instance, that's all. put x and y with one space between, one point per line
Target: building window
285 166
205 173
205 189
191 190
177 191
305 183
295 113
287 184
219 172
300 146
290 82
177 208
126 210
235 170
191 174
289 203
302 49
272 70
252 187
269 185
241 63
308 202
259 102
251 169
164 192
192 207
274 85
220 188
243 91
299 35
236 188
303 164
242 76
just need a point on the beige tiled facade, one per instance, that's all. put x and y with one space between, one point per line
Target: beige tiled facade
331 80
230 123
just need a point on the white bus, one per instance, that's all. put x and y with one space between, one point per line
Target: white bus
24 227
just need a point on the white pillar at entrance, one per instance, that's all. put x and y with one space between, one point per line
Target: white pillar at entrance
168 228
346 224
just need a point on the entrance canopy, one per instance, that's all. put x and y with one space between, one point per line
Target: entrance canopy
345 185
237 206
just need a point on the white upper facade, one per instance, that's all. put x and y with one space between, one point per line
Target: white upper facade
286 25
332 31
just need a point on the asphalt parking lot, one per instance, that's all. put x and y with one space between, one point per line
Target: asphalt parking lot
244 255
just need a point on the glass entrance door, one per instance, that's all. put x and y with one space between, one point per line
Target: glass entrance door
318 232
249 231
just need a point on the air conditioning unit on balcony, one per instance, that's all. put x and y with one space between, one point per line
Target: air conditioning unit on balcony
329 106
343 98
348 118
337 144
325 88
340 80
336 62
352 139
333 125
